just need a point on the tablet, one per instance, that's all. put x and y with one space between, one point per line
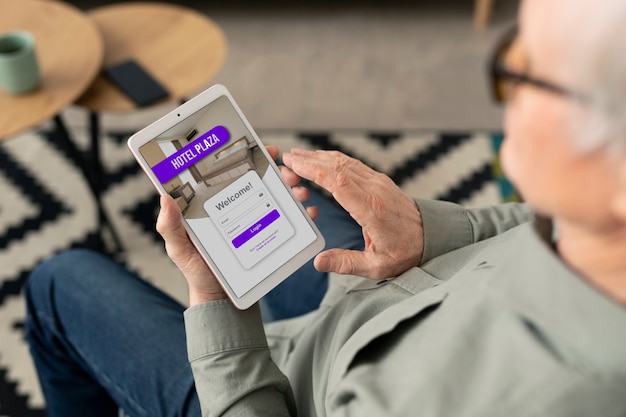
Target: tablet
239 213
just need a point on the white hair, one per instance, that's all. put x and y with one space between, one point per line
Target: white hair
599 43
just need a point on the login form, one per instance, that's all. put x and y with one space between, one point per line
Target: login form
233 200
249 220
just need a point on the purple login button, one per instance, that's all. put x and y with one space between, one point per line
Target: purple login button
256 228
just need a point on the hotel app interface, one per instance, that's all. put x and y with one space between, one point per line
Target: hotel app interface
234 202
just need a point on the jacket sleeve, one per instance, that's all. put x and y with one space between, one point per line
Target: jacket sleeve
449 226
231 363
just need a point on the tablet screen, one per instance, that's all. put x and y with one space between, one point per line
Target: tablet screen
231 197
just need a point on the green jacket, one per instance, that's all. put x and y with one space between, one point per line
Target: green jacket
491 324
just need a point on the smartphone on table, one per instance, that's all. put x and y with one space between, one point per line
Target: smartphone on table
239 213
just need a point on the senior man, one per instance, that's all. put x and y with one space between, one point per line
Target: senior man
452 312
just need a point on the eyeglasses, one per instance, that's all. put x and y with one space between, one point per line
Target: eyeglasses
504 79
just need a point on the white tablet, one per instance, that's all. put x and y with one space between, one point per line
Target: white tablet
238 212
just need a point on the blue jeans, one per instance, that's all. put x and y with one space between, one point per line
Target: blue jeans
102 337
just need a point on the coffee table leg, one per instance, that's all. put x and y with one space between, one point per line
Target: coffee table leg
93 181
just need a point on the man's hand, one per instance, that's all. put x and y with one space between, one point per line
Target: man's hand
203 286
390 219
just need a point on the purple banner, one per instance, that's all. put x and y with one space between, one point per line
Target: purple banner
191 154
256 228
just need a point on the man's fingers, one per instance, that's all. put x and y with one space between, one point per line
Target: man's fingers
309 168
345 262
291 178
301 193
170 227
168 222
338 162
347 186
330 169
313 211
273 151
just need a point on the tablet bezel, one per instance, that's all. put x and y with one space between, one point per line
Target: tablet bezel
175 117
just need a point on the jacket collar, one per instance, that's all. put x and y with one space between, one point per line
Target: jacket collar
586 324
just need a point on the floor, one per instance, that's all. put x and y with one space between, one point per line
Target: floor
361 64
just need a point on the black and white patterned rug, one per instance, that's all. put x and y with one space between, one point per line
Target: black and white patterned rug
46 207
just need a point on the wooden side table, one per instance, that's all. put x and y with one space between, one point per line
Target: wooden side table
69 51
181 48
69 59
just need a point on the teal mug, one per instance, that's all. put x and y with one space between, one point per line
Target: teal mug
19 71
